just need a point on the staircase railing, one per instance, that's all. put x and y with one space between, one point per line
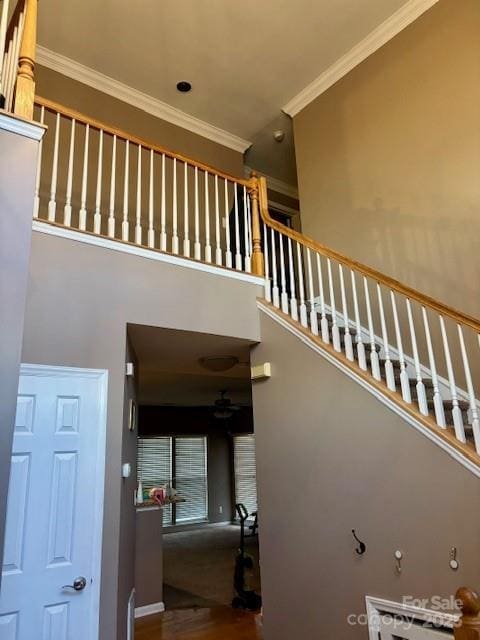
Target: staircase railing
469 624
18 39
99 179
414 348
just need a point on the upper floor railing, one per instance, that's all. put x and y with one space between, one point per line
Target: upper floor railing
99 179
18 39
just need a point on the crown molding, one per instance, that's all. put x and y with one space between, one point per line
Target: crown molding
382 34
96 80
274 184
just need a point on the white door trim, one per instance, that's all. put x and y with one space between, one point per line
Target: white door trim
101 375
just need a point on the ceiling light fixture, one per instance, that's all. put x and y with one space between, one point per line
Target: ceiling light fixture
279 135
184 86
218 363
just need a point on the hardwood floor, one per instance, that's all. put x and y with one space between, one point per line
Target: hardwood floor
217 623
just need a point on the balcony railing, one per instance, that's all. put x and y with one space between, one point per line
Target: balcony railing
98 179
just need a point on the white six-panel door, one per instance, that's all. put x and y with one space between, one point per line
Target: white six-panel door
55 507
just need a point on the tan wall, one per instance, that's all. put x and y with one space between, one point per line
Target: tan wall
332 458
105 108
148 557
80 299
388 157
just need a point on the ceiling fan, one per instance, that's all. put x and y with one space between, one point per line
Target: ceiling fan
223 407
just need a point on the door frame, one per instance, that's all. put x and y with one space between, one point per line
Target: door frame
101 376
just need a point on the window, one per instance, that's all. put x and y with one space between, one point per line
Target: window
245 471
181 462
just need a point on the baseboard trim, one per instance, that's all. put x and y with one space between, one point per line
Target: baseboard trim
149 609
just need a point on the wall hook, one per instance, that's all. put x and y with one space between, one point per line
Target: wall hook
453 559
398 557
361 545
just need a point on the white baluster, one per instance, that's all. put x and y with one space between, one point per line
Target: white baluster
301 288
3 31
268 289
163 210
325 330
361 355
97 218
389 373
228 253
208 247
52 205
275 292
291 269
67 210
437 398
335 330
126 177
111 208
138 210
13 63
82 214
248 266
313 312
284 294
238 256
374 360
175 246
186 222
404 379
36 205
250 238
421 395
218 248
197 249
151 232
456 411
471 393
347 335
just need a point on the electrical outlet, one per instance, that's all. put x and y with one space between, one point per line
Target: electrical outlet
220 509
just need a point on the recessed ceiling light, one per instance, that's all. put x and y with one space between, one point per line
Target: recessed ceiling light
184 86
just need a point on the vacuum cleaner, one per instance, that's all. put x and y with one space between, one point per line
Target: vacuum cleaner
246 597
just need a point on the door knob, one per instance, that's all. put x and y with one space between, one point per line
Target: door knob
79 584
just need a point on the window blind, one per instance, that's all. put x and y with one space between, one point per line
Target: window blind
154 466
245 471
183 462
191 478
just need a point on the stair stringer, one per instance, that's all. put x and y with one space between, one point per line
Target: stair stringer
463 454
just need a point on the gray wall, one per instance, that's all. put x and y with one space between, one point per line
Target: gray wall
331 458
80 299
148 558
18 163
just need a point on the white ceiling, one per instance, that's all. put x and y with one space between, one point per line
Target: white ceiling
245 60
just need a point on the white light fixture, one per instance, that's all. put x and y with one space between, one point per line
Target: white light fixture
218 363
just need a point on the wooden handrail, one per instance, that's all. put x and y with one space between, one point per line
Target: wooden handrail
369 272
147 144
469 627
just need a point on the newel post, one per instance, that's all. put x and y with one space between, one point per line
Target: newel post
258 266
25 88
469 625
